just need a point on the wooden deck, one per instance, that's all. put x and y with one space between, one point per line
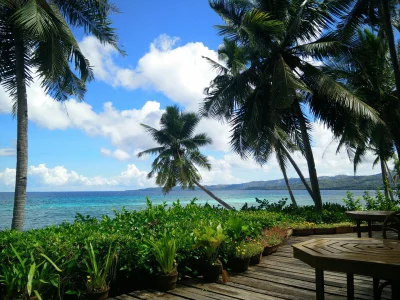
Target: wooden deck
279 276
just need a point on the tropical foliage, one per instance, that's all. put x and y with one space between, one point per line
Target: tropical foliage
164 251
99 270
273 81
156 240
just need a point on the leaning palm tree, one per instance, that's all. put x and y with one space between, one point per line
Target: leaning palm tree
178 154
36 39
281 38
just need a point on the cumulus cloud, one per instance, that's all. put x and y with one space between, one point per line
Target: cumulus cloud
41 176
180 73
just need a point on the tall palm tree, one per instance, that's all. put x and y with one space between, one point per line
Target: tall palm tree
178 153
372 80
36 39
234 60
281 38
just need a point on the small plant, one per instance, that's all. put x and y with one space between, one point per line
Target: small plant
243 250
28 277
273 237
352 203
98 278
237 229
210 239
254 247
164 251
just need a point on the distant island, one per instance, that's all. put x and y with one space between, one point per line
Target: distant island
338 182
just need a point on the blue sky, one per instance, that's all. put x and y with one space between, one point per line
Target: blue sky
92 145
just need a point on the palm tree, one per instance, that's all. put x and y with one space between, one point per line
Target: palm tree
36 39
281 37
234 60
372 80
374 13
178 153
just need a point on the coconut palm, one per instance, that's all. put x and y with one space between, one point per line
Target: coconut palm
234 60
281 38
178 154
372 80
375 13
36 39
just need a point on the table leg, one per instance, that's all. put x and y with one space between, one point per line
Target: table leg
319 280
369 229
350 286
377 294
395 290
358 228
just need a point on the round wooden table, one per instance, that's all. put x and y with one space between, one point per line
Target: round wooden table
369 216
376 258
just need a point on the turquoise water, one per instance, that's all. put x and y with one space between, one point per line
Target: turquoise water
48 208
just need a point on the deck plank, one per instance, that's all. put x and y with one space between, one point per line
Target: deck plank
279 276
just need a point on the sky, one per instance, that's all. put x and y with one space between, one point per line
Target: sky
92 145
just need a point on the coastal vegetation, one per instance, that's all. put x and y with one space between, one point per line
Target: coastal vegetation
37 42
133 249
154 241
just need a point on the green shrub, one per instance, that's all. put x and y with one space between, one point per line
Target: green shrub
126 230
352 203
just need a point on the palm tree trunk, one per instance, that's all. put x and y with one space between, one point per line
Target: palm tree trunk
289 188
219 200
393 182
22 139
384 178
310 159
301 176
390 175
392 45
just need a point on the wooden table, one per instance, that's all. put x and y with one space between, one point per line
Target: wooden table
369 216
379 259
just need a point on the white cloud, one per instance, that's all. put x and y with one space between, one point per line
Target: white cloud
7 177
41 176
117 154
221 172
180 73
7 152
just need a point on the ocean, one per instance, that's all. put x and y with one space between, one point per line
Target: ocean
51 208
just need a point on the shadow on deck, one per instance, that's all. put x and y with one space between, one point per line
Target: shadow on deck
278 276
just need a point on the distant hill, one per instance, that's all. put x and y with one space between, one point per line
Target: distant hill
339 182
